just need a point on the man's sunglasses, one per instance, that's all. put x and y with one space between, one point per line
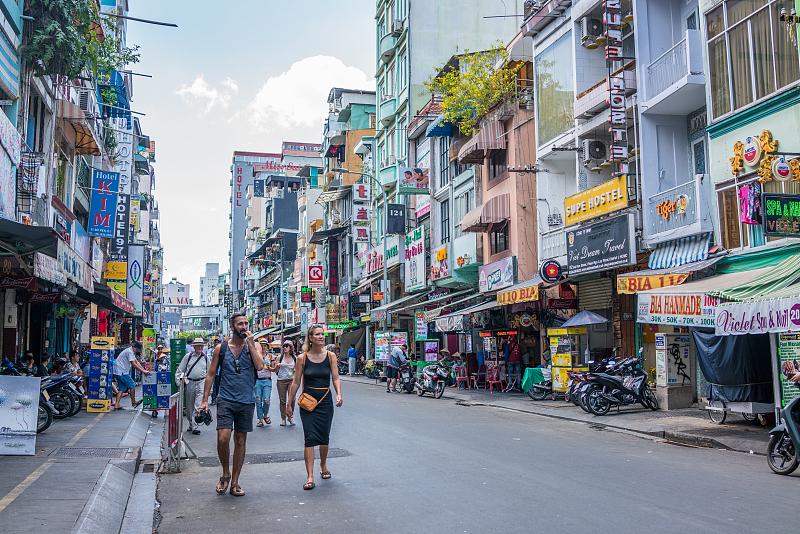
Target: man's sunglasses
236 366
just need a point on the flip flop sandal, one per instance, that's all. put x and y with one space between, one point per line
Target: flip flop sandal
283 423
267 421
260 423
222 485
309 486
325 475
237 491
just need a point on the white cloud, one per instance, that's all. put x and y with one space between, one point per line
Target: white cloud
298 97
208 96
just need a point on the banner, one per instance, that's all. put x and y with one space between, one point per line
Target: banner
118 248
103 204
415 272
629 285
685 309
758 317
135 286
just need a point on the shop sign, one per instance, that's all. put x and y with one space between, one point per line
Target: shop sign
677 309
431 350
116 270
758 151
603 199
98 257
385 341
377 296
103 203
135 290
415 272
497 275
118 248
395 219
342 326
617 116
550 271
315 276
788 356
464 251
47 268
10 282
629 285
525 320
375 260
333 266
360 234
758 317
601 246
781 169
420 327
119 287
75 268
440 266
562 304
44 298
522 294
781 215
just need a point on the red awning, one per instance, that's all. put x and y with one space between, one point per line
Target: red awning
495 210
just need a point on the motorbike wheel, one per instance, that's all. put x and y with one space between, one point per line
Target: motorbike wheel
439 391
597 403
781 454
44 418
78 404
582 398
538 393
649 399
63 402
420 390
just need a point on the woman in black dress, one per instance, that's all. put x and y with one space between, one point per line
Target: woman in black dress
315 368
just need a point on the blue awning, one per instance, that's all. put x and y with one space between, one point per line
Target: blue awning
116 105
680 251
439 128
9 66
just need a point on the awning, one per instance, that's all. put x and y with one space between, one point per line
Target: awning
767 255
496 209
483 306
765 284
631 283
456 321
24 240
107 298
709 285
85 142
321 235
680 251
439 128
437 299
333 194
527 291
490 137
386 307
430 315
266 332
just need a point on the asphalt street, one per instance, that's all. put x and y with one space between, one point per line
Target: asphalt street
409 464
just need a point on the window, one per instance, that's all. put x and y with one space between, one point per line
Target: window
751 53
402 70
461 205
424 153
444 162
497 164
499 237
390 143
444 208
554 87
402 136
389 80
372 121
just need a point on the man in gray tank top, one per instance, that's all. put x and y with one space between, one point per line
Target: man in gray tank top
239 360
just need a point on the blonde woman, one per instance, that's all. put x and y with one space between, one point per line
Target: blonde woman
315 370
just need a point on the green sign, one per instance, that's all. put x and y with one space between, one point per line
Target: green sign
177 350
788 358
781 215
342 326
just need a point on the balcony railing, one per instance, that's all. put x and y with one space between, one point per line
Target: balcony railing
684 58
553 244
673 208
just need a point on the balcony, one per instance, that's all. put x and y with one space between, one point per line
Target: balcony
595 99
386 47
554 245
387 109
678 212
387 173
676 80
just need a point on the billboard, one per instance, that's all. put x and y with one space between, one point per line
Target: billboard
414 181
135 286
415 272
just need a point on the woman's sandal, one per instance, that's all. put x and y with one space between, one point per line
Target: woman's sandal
222 485
260 423
325 475
309 486
237 491
267 421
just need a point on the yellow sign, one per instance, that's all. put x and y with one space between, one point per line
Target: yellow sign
566 331
116 270
98 406
102 343
119 287
603 199
629 285
523 294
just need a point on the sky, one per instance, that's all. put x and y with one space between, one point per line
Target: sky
244 76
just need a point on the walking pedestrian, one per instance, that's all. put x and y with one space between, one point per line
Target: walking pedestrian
192 372
316 367
284 369
122 374
263 389
352 357
239 359
396 360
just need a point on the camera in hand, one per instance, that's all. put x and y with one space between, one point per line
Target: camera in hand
203 416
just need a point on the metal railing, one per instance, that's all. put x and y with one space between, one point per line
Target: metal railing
684 194
679 61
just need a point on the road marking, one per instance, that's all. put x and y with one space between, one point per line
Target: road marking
12 495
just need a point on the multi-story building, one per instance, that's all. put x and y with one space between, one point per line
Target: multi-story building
175 297
209 282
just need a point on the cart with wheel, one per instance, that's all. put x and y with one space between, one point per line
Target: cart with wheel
718 410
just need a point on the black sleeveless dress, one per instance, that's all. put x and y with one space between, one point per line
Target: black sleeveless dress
317 424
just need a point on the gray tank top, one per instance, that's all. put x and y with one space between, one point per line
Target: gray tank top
233 386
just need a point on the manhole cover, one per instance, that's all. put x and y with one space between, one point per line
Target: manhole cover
273 458
89 452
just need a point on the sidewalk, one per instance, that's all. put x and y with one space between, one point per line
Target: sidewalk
689 426
81 475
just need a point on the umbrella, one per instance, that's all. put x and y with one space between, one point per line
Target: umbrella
585 318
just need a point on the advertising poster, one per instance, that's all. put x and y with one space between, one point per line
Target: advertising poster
781 215
420 326
101 369
177 350
135 287
103 204
758 317
431 350
415 272
497 275
789 365
414 181
19 409
678 309
384 341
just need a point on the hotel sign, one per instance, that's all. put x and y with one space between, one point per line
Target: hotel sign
606 198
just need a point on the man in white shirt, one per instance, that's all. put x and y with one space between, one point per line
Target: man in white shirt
192 371
122 373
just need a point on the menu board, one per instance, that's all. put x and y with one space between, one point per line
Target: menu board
431 350
789 365
101 369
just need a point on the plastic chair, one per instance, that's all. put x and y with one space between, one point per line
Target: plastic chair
492 378
479 377
461 376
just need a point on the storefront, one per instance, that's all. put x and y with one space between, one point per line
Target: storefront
522 307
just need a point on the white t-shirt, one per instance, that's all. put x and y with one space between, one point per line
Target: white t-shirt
122 365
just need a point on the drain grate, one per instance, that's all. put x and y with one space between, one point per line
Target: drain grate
89 452
273 458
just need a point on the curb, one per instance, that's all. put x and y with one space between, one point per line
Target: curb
103 512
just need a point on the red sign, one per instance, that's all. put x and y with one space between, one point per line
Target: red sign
377 296
333 267
45 297
315 276
121 302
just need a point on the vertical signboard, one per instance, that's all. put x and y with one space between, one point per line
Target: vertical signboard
789 365
177 350
101 369
333 266
102 210
135 282
618 118
415 272
118 248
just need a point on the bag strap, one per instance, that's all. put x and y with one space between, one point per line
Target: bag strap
223 350
192 367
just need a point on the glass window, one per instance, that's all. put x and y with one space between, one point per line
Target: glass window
718 62
424 153
784 45
444 161
497 164
554 86
499 237
444 210
402 145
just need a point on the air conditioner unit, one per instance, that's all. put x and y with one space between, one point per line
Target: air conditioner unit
591 29
86 102
397 27
593 150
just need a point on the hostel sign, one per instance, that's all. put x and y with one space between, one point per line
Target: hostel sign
606 198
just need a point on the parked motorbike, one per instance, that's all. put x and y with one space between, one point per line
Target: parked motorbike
629 387
46 412
372 370
433 379
578 387
63 394
344 366
783 450
407 381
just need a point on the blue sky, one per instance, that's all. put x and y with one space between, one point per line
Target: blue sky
243 76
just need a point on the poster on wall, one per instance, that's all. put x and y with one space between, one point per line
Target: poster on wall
789 365
431 350
414 181
101 369
415 272
19 408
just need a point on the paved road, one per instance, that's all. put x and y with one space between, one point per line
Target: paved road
420 465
